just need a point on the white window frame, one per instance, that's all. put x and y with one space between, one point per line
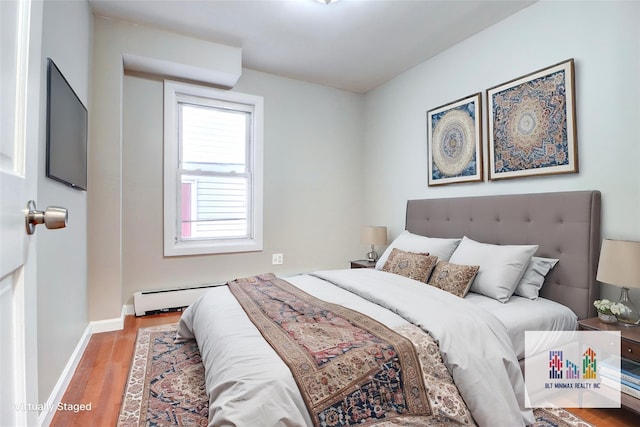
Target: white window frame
173 91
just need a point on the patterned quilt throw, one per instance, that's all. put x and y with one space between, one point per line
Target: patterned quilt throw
350 369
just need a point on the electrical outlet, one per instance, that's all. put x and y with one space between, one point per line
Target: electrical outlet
277 259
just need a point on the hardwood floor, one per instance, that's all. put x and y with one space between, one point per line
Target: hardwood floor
608 417
102 374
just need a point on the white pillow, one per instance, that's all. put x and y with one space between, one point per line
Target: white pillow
501 266
409 242
534 276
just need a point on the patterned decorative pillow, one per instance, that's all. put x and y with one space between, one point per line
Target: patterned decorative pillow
453 278
411 265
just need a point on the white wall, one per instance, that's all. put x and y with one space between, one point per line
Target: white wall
62 254
604 40
313 152
312 196
113 39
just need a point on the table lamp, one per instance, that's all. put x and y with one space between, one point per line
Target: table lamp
620 265
373 235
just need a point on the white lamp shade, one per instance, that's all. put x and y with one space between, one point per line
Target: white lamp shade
619 263
373 235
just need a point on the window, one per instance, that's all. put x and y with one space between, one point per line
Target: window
212 170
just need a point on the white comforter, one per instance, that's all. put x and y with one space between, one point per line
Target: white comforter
249 385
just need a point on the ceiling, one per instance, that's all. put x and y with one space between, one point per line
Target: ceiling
354 45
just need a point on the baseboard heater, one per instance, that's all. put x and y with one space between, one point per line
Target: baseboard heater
165 300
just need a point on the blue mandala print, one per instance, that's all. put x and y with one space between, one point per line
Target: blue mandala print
530 125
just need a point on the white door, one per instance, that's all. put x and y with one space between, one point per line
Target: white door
20 41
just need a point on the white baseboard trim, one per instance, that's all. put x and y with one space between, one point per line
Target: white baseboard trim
129 310
108 325
55 398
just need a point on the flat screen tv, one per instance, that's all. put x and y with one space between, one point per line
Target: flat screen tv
66 131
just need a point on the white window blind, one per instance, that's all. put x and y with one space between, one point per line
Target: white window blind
214 144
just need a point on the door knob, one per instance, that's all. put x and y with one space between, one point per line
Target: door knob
53 217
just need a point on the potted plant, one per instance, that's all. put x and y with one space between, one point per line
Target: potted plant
608 310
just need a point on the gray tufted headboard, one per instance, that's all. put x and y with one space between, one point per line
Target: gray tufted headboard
566 225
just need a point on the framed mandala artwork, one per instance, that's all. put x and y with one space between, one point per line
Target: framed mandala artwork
454 141
532 128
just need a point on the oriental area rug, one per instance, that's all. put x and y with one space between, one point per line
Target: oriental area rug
166 386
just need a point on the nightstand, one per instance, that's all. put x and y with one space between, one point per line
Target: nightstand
363 263
629 349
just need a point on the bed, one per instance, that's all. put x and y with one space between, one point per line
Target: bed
408 354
